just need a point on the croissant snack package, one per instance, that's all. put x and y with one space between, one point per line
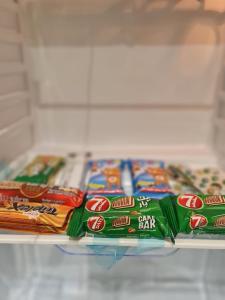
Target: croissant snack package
41 169
37 208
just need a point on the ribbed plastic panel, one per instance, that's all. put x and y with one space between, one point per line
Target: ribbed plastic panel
15 101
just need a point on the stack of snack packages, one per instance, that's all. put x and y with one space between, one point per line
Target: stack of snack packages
32 204
199 204
109 212
150 179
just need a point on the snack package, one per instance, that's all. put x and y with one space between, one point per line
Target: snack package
207 180
201 213
37 208
105 176
149 177
120 217
41 170
180 182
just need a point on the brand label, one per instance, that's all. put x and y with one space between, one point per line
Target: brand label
121 221
198 221
214 200
123 202
29 208
96 223
190 201
98 204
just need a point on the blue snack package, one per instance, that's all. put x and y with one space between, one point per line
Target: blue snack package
150 177
105 176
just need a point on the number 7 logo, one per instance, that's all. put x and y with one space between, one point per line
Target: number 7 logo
190 201
198 221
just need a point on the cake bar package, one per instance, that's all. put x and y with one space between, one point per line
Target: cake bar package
120 217
198 213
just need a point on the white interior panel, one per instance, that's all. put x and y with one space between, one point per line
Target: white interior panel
62 75
168 75
219 139
15 103
15 141
10 36
8 19
10 5
61 126
149 127
12 110
12 83
126 65
10 52
223 76
126 128
11 68
221 109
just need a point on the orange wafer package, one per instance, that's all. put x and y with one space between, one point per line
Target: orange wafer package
37 208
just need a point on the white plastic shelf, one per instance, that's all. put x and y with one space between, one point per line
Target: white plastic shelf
122 242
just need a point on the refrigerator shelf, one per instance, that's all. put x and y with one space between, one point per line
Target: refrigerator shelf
72 175
180 243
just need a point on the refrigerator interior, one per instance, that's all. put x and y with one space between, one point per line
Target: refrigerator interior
113 78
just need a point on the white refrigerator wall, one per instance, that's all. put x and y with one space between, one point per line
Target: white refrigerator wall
128 74
15 99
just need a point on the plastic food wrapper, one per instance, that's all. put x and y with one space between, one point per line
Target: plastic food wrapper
120 216
150 177
206 180
179 181
41 170
105 176
201 213
37 208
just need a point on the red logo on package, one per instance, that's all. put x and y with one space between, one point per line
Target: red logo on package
33 191
190 201
98 204
198 221
96 223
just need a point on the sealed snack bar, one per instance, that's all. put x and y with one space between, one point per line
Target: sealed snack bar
120 217
41 170
37 208
149 177
105 176
201 213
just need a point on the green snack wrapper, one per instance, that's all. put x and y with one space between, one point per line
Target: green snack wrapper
120 217
41 170
201 213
